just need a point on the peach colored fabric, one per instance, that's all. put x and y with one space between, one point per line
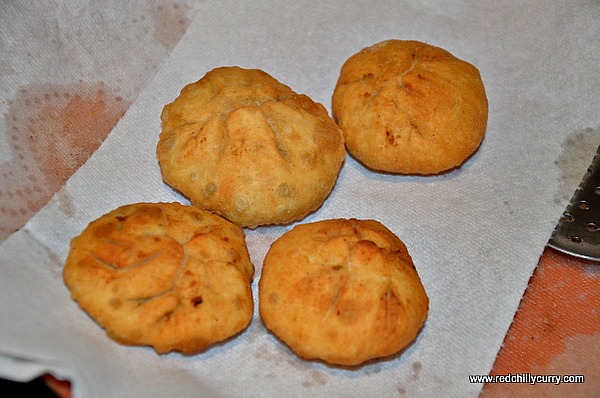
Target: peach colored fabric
556 331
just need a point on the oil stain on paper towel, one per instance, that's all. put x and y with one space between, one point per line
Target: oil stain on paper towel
52 130
170 22
578 150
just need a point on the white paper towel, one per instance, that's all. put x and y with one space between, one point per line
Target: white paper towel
475 234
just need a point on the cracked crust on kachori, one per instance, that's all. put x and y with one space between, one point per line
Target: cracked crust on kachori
242 144
342 291
170 276
407 107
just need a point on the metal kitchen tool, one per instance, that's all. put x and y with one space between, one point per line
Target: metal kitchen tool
578 231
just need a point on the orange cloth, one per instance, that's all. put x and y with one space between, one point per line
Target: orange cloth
556 331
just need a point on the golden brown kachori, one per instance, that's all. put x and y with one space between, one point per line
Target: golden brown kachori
343 291
408 107
170 276
240 143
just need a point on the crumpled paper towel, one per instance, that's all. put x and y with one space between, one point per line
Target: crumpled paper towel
475 234
68 72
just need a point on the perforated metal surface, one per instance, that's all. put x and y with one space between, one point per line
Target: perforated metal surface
578 232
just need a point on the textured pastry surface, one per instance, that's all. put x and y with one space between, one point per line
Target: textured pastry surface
342 291
410 108
242 144
170 276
